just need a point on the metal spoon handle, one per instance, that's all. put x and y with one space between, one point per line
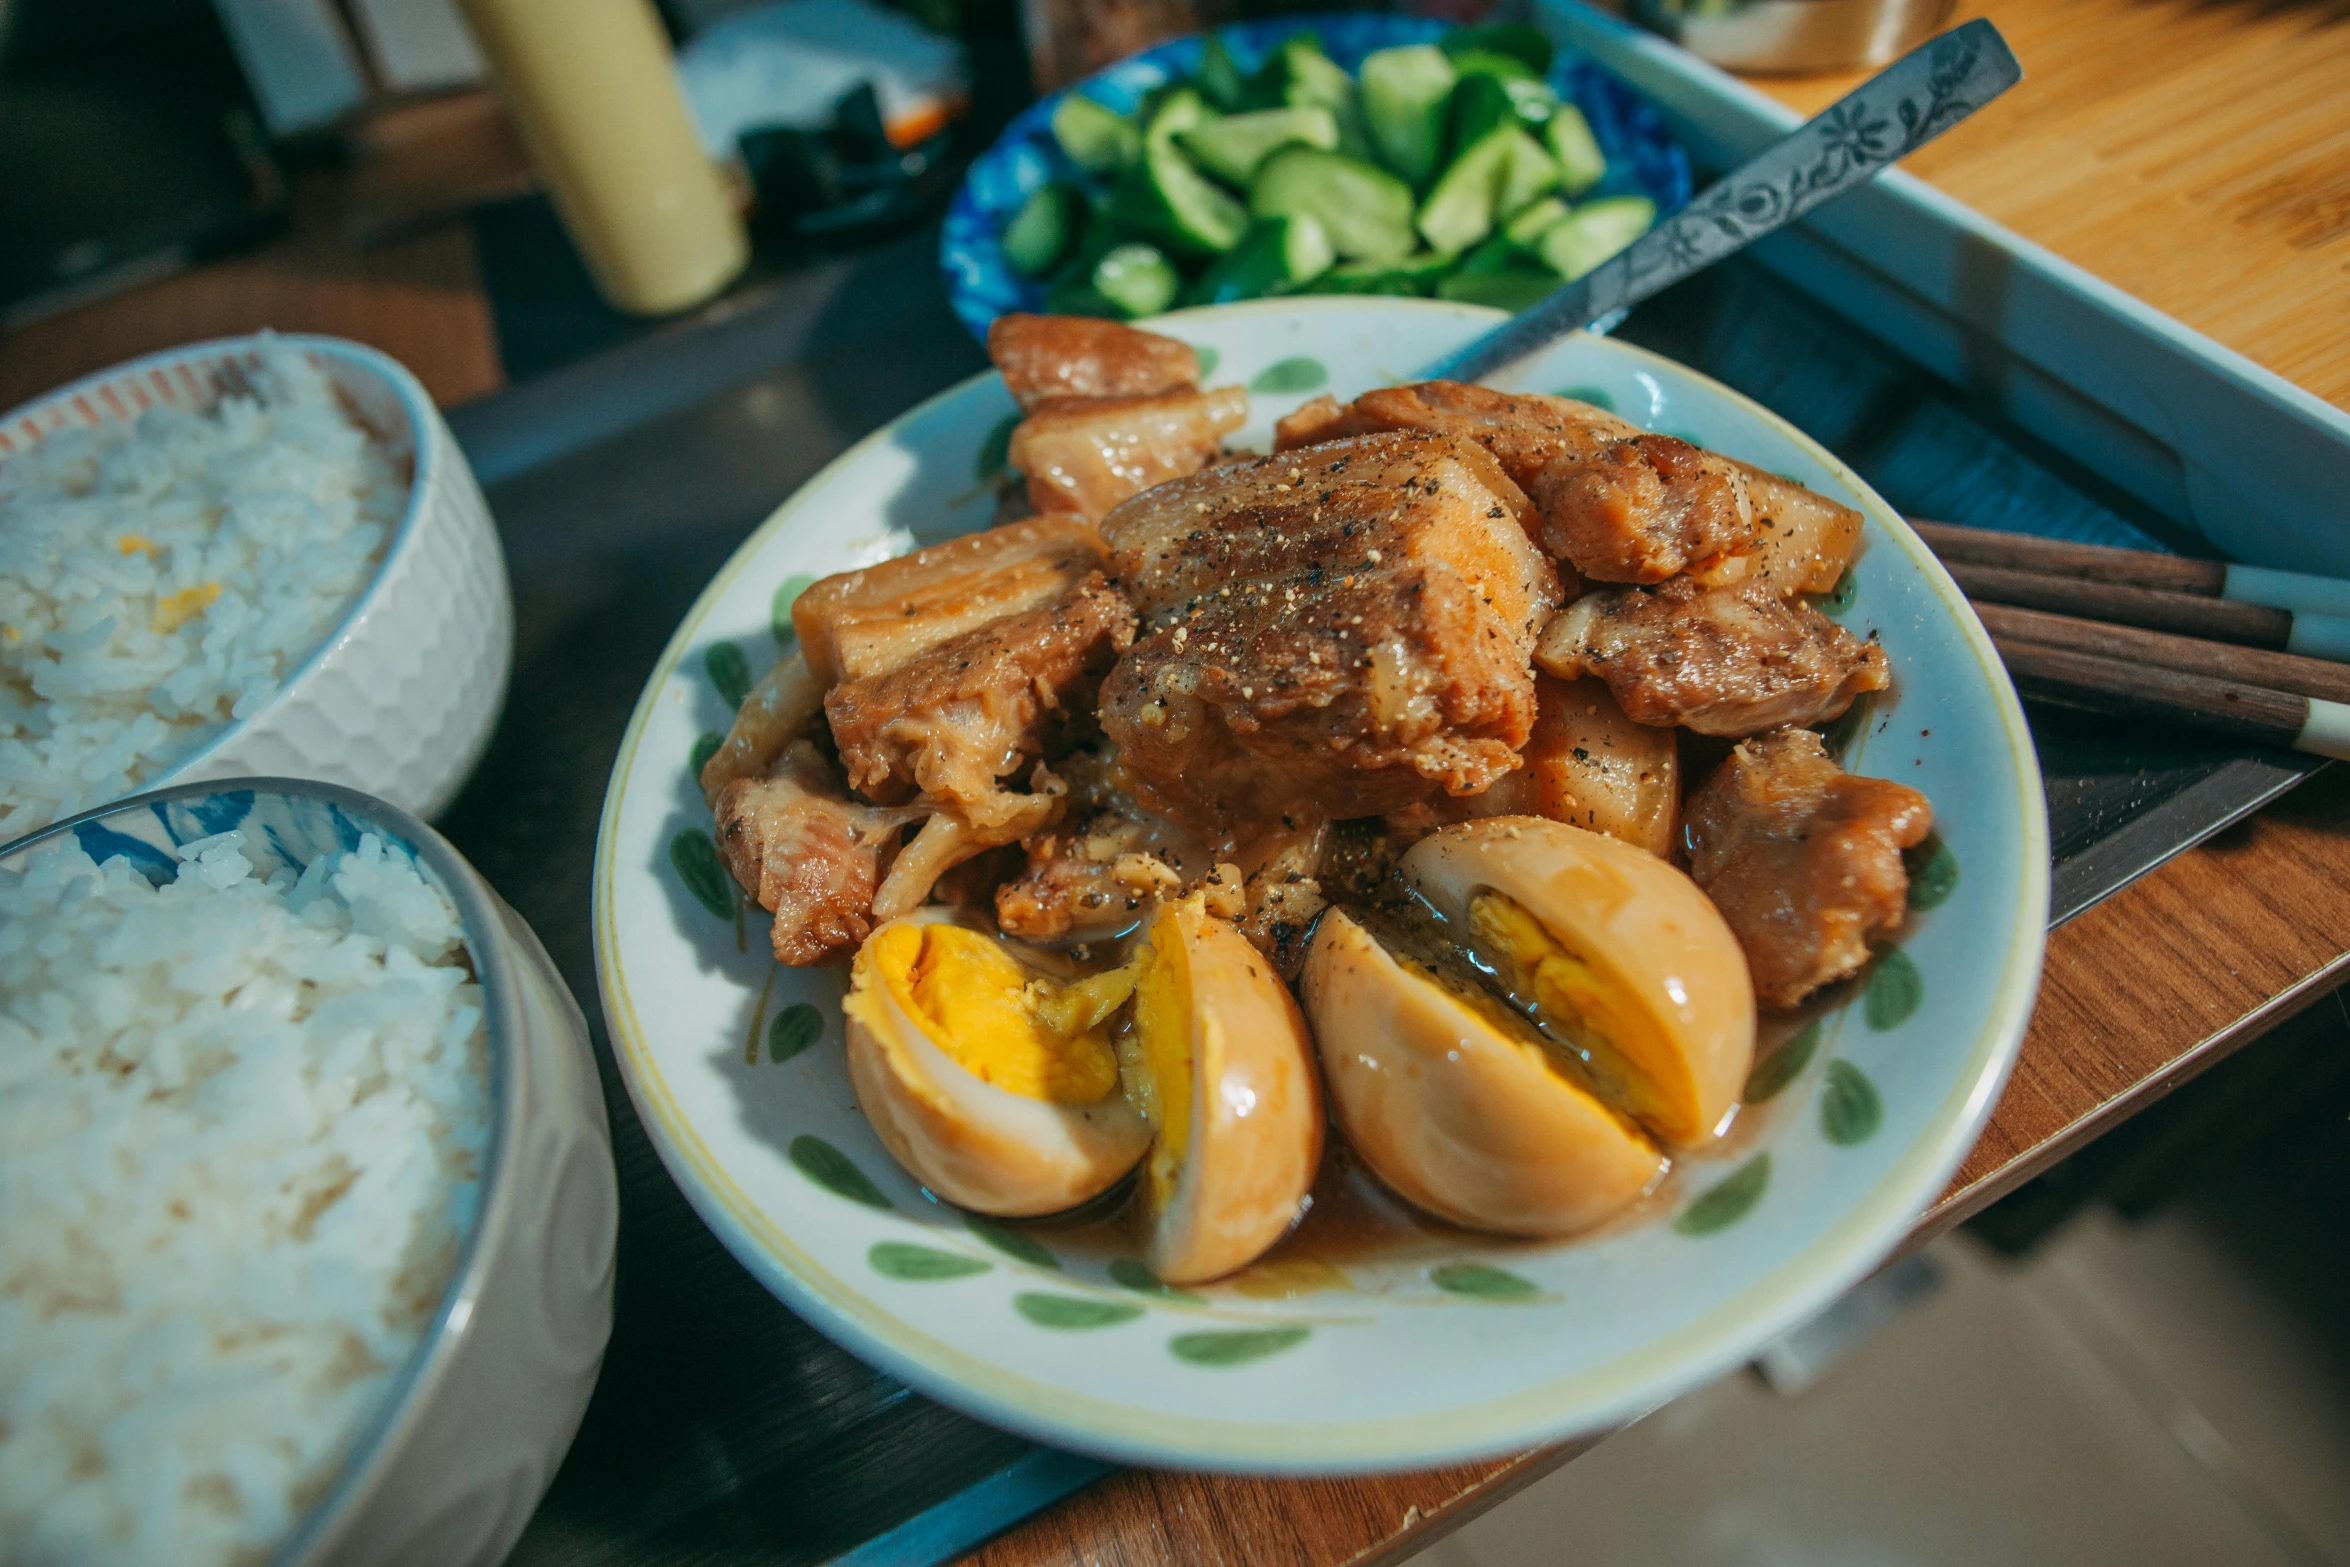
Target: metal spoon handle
1901 108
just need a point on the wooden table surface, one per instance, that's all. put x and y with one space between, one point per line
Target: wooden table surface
2196 152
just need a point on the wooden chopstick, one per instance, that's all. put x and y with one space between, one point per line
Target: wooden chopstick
2218 706
2181 614
2227 661
2138 568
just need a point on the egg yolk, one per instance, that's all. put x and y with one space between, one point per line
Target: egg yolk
1583 1009
1004 1026
1162 1026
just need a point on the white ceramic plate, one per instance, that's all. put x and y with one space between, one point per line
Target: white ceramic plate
1409 1357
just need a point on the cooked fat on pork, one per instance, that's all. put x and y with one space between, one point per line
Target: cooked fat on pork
1525 431
1086 454
1349 629
1803 541
1732 660
1803 859
949 726
864 623
1642 509
1044 357
801 848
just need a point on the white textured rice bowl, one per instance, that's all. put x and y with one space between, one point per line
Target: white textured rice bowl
308 1194
264 555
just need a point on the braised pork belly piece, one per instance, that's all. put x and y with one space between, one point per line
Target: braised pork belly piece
864 623
950 726
1803 541
801 848
1642 509
1044 357
1086 454
1525 431
1586 764
1732 660
1350 629
1803 859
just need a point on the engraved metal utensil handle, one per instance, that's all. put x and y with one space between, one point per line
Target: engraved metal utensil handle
1901 108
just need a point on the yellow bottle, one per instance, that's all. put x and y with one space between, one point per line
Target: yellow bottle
594 94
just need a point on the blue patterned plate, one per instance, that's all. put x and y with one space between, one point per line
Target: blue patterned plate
1642 159
1413 1354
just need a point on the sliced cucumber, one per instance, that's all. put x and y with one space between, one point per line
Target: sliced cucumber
1274 257
1163 198
1595 231
1480 106
1405 92
1526 227
1414 274
1096 137
1233 147
1527 174
1511 288
1366 211
1137 278
1534 100
1075 296
1488 62
1219 78
1529 46
1309 78
1045 228
1574 149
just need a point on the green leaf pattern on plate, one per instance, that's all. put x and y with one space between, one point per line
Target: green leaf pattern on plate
1838 599
787 593
921 1264
1896 989
706 745
1782 1066
1068 1312
1728 1201
835 1171
795 1028
1299 373
996 448
1841 732
729 671
1234 1348
1142 1281
694 857
1933 873
1208 360
1850 1108
1012 1242
1482 1281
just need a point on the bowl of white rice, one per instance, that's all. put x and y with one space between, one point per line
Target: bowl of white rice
256 556
309 1195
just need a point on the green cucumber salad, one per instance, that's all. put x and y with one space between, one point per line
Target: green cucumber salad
1451 169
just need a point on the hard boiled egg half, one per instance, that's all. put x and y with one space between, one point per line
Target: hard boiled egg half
991 1082
1218 1058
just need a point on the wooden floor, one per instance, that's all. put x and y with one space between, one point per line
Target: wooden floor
2193 152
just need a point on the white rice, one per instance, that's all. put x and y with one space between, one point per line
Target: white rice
163 577
241 1130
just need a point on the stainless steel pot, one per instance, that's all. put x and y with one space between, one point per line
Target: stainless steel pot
1793 37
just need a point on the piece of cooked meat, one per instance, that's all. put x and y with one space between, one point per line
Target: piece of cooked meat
1349 632
1079 356
803 850
1803 859
1586 764
1354 507
1732 660
1525 431
1086 454
1642 509
862 623
952 724
1803 541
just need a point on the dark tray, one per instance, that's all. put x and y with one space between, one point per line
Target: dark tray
725 1430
